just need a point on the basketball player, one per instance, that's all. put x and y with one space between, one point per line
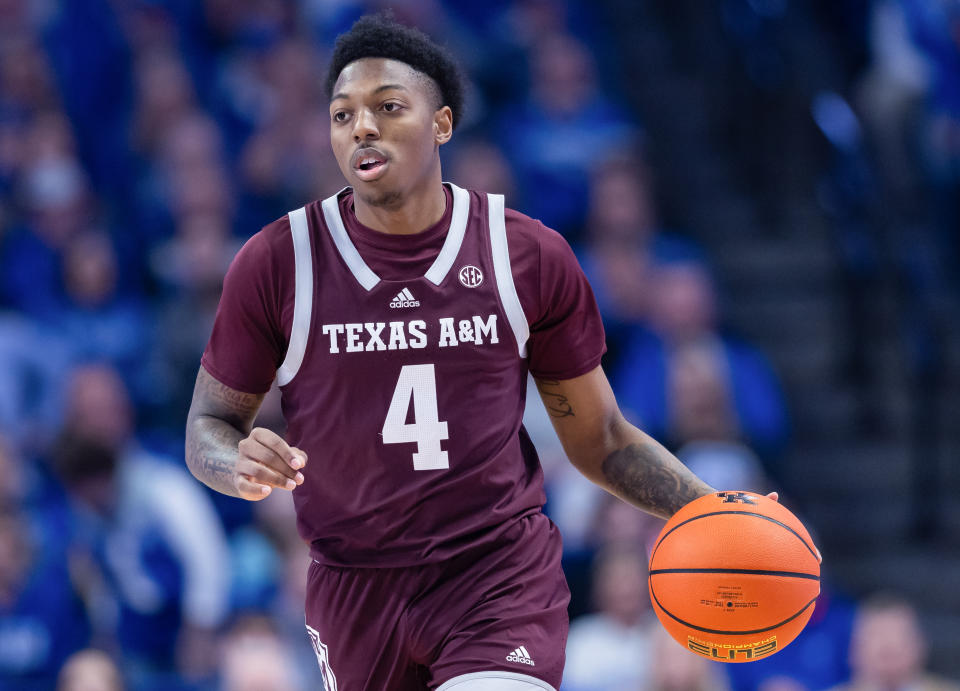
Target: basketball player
400 317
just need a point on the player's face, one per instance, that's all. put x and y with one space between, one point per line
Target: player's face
386 129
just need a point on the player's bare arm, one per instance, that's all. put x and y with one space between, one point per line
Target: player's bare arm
611 452
228 454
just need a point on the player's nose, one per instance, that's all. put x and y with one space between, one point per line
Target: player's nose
365 126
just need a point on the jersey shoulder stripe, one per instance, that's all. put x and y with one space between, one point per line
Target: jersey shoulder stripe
504 274
303 296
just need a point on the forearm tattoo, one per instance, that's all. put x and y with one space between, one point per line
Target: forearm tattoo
651 478
556 403
219 418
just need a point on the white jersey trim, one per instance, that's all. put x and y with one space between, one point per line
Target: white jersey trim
494 680
331 214
451 246
302 297
504 274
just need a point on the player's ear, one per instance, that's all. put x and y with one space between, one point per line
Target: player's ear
443 125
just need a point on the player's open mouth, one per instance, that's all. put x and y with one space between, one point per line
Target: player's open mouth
369 164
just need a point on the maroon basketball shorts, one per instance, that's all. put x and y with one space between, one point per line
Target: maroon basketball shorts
498 609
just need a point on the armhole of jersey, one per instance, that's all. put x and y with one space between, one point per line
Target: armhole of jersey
302 299
504 274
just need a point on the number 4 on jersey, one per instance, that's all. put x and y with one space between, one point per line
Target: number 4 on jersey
420 382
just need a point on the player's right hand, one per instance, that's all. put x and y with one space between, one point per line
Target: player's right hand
266 461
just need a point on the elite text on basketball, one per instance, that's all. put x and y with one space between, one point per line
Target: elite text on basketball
729 651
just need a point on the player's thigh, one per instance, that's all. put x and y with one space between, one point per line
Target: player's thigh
354 622
495 681
508 612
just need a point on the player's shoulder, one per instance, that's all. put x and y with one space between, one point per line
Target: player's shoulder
526 233
518 223
271 237
268 247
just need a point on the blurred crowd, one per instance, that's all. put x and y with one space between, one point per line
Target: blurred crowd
142 141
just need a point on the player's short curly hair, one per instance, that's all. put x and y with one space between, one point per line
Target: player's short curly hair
381 36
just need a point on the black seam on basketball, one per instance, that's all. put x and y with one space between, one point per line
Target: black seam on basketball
731 633
757 572
740 513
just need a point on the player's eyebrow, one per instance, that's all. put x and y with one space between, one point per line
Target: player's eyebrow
383 87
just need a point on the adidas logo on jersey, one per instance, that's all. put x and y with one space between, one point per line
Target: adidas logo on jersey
522 656
404 299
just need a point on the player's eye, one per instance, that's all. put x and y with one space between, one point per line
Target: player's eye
340 116
391 107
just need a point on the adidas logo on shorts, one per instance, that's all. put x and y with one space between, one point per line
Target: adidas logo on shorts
522 656
404 299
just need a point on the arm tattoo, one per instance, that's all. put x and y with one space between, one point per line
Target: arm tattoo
651 478
556 403
220 417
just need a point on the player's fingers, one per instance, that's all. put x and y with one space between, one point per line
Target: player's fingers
299 458
774 495
250 448
295 458
250 490
258 472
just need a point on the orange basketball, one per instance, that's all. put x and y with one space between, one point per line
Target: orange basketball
734 576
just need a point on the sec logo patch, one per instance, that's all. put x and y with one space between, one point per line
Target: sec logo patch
471 276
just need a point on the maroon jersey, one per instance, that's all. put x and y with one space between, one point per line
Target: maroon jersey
402 362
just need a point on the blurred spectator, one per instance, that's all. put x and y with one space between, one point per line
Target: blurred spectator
611 650
90 670
190 267
616 524
150 529
12 154
616 252
561 132
92 68
26 80
623 243
192 141
935 27
27 483
285 165
725 465
164 96
888 649
16 19
97 318
254 658
33 365
187 175
890 96
678 669
232 23
479 164
286 161
12 481
56 202
686 381
41 619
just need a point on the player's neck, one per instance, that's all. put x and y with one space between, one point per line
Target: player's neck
418 210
